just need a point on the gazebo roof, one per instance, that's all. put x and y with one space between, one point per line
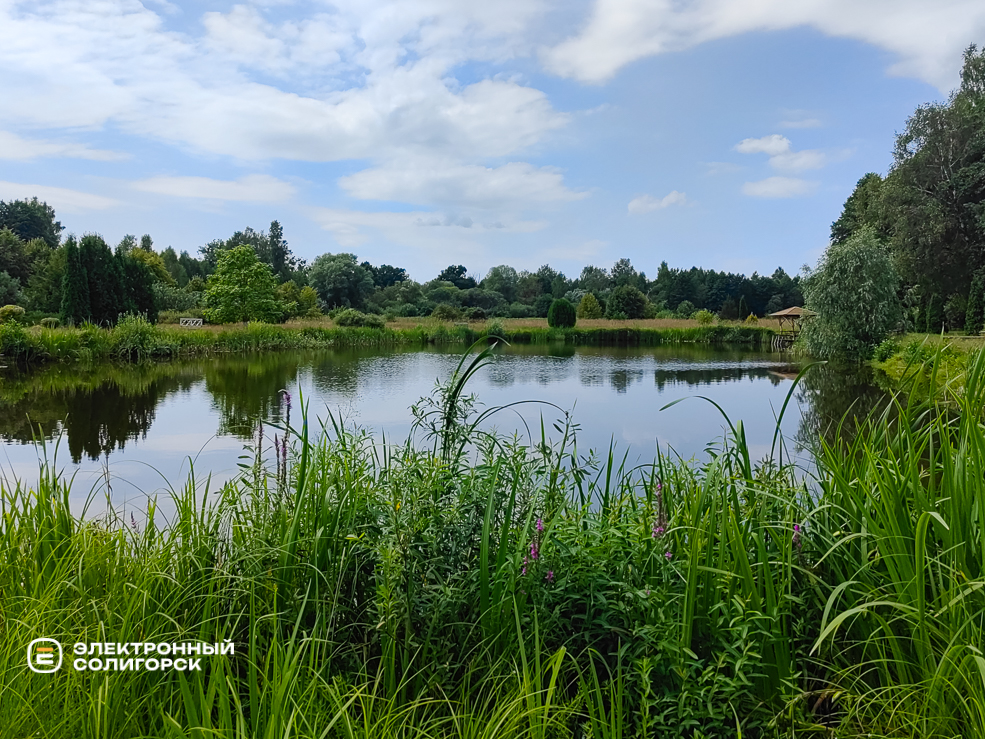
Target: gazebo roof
795 312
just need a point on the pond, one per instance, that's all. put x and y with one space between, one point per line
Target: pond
126 431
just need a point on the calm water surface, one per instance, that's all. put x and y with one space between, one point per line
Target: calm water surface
138 426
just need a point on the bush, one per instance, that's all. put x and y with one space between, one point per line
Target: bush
407 310
589 307
445 312
542 305
475 314
885 350
519 310
50 322
751 319
704 317
561 314
12 314
355 318
685 309
625 302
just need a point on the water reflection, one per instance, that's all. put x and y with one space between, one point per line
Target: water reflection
101 410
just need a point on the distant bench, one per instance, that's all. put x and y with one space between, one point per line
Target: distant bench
191 323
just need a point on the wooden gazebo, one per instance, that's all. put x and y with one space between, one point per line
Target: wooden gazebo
794 317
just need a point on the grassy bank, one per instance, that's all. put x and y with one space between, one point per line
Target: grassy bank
134 339
922 361
522 591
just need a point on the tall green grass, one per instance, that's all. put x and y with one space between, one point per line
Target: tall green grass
476 585
134 339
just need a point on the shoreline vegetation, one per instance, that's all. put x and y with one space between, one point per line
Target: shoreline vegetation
470 585
134 339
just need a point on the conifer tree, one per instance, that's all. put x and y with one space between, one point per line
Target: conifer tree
75 286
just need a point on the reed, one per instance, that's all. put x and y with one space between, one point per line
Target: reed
468 584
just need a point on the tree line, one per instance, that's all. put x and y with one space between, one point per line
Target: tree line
928 213
85 279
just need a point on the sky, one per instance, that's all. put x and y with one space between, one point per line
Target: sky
724 134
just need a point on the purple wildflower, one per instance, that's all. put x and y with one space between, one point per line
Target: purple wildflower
668 555
550 576
534 550
287 398
133 521
540 524
797 544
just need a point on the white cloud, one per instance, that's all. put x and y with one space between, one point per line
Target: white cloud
926 37
255 188
14 147
779 187
515 185
648 203
60 198
433 231
801 123
773 145
781 154
372 80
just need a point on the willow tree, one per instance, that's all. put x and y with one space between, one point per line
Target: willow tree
854 291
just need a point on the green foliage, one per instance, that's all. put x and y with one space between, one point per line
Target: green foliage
975 315
743 308
31 219
704 317
861 210
685 309
561 314
445 312
854 291
474 314
241 289
886 349
519 310
50 322
10 290
503 280
353 317
589 308
11 314
626 301
172 298
340 281
75 286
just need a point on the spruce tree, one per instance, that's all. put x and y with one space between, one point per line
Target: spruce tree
108 297
75 286
743 308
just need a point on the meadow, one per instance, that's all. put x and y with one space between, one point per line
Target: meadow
468 584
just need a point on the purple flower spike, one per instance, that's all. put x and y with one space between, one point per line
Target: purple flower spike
540 524
668 555
287 398
550 576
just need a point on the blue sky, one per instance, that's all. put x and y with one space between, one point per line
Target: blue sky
719 133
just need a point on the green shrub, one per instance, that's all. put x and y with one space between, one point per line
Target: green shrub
353 317
50 322
12 314
175 299
589 307
751 319
519 310
704 317
885 350
475 314
561 314
133 337
445 312
625 302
